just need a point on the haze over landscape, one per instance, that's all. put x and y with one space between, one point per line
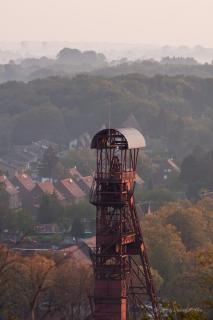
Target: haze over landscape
173 22
68 70
133 29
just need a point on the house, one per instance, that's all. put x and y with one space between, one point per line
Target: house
88 181
84 183
75 174
14 200
163 171
24 185
70 190
78 254
44 188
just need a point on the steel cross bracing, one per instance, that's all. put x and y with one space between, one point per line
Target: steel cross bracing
123 280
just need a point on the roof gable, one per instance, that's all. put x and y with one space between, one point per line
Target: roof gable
25 181
9 187
72 188
48 188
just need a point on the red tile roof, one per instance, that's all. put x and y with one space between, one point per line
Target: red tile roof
72 188
48 187
25 181
76 253
75 173
9 187
88 180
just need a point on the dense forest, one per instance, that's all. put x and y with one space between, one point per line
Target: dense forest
167 66
174 113
68 62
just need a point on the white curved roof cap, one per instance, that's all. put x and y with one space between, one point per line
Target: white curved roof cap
132 137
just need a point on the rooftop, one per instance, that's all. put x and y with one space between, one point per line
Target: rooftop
75 173
9 187
73 188
88 181
123 138
48 187
25 181
76 253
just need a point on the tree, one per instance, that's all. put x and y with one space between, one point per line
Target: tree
197 173
69 55
36 279
83 159
20 221
193 286
190 221
73 282
50 210
48 163
165 247
157 197
59 172
47 117
4 206
8 262
41 287
77 228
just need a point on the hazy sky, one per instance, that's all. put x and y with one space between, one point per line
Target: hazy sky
163 22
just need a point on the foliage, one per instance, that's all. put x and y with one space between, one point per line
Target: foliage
165 247
77 228
68 62
48 163
83 159
4 206
37 123
50 210
175 111
20 221
191 221
178 238
187 314
83 209
157 197
197 173
194 285
41 287
167 66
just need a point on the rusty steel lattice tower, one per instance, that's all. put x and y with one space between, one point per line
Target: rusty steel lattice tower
123 281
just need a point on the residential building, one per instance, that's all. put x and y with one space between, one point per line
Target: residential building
14 201
24 184
164 170
44 188
70 190
84 183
